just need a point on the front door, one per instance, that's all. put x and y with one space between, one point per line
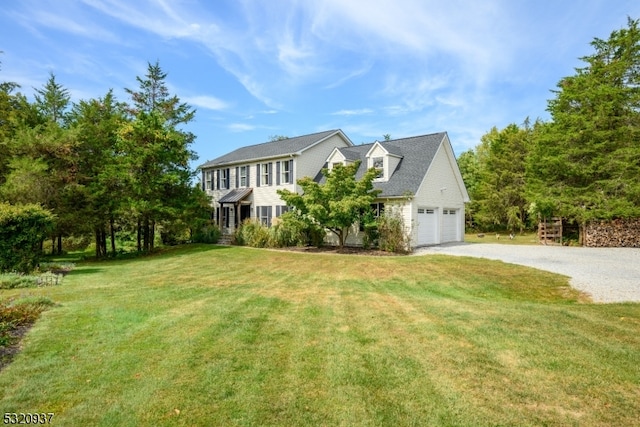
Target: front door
245 212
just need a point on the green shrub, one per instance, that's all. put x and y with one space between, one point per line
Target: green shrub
76 243
371 235
301 230
57 267
15 280
252 233
174 233
51 273
392 235
209 233
288 230
22 230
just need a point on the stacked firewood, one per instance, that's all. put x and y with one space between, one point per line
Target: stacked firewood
615 233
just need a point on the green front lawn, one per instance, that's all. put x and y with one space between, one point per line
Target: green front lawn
210 335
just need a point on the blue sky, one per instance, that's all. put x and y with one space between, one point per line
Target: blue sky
254 69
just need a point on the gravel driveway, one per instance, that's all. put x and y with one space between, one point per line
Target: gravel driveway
607 274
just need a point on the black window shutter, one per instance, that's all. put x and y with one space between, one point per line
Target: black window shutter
248 182
228 179
277 173
270 173
203 181
269 215
237 177
217 179
291 180
258 175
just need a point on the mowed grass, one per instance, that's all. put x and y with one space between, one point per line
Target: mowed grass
208 335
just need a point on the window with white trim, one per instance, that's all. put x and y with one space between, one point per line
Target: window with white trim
208 180
378 163
285 172
224 178
264 174
243 176
263 213
378 209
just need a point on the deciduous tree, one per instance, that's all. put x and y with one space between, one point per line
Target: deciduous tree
339 202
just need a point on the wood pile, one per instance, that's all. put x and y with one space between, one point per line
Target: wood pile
615 233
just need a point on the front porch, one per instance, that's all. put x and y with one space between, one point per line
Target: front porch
234 208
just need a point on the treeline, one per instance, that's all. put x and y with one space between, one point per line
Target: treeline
583 164
106 170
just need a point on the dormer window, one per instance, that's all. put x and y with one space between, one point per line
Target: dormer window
378 163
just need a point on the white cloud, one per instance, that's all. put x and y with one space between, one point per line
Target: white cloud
353 112
208 102
240 127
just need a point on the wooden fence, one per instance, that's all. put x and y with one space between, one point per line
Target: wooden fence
550 231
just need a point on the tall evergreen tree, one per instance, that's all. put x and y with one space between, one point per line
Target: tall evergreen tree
500 189
44 161
53 101
585 163
157 153
100 173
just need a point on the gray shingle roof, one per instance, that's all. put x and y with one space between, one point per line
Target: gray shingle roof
417 153
283 147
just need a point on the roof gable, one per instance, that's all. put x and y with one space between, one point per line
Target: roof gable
267 150
416 155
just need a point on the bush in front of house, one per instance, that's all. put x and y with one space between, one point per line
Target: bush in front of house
392 236
209 233
252 233
295 229
290 229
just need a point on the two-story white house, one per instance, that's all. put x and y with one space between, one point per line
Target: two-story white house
419 178
243 183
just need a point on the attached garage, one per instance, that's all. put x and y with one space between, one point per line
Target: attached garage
434 228
450 225
427 226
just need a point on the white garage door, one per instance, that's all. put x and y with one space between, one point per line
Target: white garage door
427 226
450 225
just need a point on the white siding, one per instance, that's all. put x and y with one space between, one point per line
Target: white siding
441 189
308 163
335 157
266 195
312 160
